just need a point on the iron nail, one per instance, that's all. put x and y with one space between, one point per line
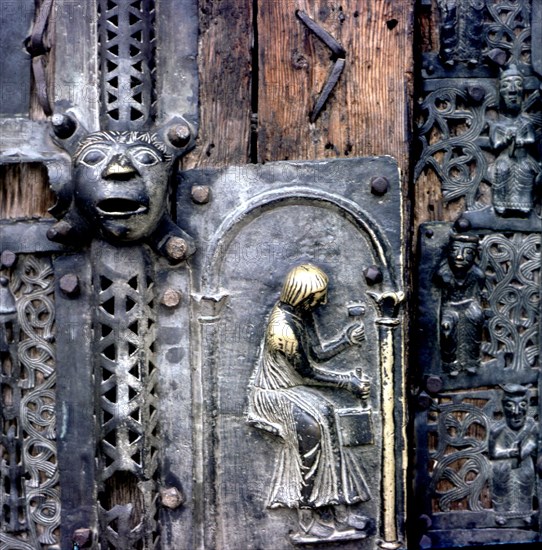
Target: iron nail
63 125
171 298
498 56
176 248
462 224
201 194
179 135
373 275
379 185
8 258
69 284
82 537
477 93
424 401
171 497
433 384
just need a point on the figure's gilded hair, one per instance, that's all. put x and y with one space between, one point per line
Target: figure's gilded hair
301 282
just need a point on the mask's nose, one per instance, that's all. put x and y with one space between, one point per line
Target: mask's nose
120 168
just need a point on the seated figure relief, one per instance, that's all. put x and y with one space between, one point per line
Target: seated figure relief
461 314
515 174
512 449
314 473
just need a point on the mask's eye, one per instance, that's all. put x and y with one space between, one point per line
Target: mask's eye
146 157
92 157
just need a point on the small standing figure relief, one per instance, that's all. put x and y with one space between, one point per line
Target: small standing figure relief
461 314
461 30
512 447
515 173
316 472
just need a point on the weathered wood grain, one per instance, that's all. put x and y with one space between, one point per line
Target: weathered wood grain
367 113
225 72
24 188
428 204
24 192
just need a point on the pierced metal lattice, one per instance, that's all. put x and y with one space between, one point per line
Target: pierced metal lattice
126 383
127 42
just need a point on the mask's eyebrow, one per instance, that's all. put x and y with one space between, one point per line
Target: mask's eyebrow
148 147
84 147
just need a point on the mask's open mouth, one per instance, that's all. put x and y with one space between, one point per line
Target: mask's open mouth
120 207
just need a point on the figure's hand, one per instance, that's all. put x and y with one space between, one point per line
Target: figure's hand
360 388
514 450
526 448
355 334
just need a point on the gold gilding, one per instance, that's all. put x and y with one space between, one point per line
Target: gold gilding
280 335
302 282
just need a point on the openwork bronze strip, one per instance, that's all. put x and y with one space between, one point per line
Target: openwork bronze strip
126 377
126 34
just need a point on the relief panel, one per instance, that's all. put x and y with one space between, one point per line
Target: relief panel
476 380
477 400
298 299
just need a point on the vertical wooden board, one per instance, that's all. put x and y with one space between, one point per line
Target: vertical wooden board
367 112
24 186
76 69
24 191
225 72
15 67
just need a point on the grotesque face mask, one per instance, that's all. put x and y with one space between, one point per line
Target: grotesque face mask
120 183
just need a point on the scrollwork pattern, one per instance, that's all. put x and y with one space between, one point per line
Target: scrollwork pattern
460 100
512 266
448 136
460 462
32 286
509 29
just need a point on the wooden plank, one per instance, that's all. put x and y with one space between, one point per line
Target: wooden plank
76 69
367 113
15 67
24 192
24 185
225 65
